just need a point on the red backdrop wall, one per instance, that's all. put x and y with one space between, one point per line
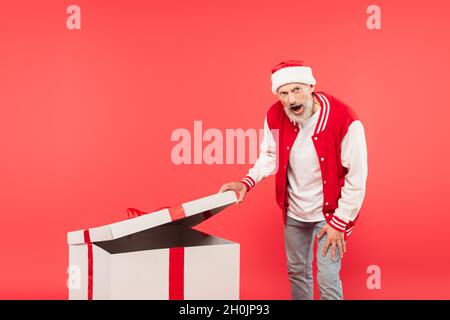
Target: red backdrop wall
87 115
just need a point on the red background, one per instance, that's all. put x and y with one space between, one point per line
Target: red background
87 115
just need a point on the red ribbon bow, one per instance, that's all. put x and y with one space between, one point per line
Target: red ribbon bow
133 212
176 212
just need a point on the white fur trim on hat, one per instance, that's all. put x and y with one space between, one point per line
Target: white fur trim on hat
292 74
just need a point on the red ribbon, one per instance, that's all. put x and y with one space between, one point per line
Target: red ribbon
176 273
176 255
87 240
176 213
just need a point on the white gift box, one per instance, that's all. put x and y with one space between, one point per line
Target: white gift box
156 256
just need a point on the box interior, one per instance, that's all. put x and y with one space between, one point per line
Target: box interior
165 236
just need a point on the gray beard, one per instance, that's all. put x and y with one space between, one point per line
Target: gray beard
303 118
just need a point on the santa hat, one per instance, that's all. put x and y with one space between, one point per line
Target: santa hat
291 71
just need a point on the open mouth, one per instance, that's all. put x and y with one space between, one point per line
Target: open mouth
297 109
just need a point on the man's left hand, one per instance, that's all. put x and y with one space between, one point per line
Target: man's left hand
335 239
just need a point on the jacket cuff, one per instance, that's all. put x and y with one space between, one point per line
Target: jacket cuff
338 224
249 182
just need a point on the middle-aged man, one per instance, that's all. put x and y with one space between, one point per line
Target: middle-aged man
321 174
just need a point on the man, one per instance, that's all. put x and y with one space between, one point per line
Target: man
319 158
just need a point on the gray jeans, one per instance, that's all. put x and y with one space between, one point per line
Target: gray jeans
299 243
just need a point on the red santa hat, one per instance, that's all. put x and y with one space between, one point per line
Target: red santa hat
290 71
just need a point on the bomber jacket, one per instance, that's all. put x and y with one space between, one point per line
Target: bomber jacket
339 141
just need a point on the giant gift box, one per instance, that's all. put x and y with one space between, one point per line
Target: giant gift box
156 256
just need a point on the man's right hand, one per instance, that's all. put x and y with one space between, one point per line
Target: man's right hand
236 186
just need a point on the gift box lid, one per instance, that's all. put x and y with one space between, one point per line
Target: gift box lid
188 214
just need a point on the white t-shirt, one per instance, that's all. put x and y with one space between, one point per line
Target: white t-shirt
304 176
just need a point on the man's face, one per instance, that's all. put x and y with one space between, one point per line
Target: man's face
298 101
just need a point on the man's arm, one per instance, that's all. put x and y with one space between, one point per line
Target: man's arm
265 165
354 158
